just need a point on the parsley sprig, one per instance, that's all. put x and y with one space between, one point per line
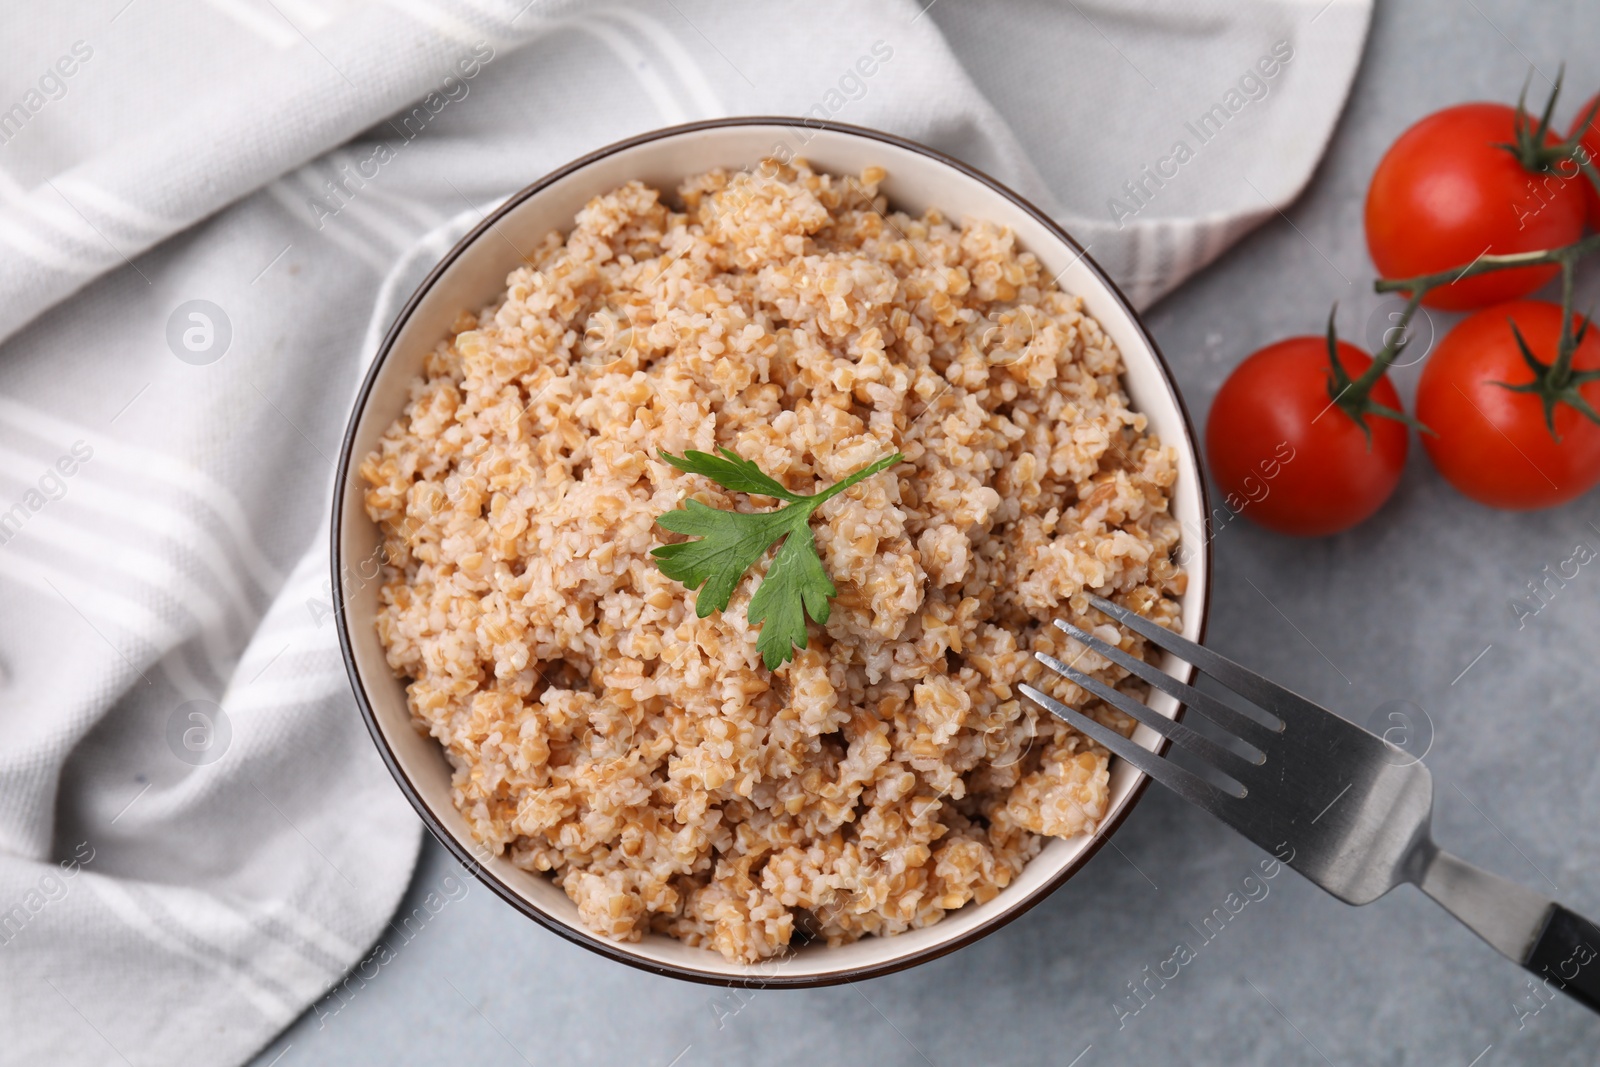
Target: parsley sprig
729 543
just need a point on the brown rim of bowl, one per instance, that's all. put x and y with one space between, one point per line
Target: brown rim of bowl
462 855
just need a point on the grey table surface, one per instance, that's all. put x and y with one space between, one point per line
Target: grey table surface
1414 606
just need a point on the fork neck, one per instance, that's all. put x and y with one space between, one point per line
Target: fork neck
1506 915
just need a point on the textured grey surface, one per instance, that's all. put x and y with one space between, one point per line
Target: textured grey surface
1393 611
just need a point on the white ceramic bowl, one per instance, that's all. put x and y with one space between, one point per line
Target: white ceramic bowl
474 272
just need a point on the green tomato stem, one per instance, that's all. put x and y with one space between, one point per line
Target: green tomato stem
1560 370
1425 283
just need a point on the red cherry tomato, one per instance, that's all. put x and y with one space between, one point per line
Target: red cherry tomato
1493 444
1591 147
1446 193
1289 458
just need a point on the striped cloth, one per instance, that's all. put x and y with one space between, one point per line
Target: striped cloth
208 213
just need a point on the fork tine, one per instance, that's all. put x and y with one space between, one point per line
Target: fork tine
1247 683
1189 786
1235 722
1230 763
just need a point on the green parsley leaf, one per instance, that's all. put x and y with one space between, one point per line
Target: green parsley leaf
731 471
731 542
796 585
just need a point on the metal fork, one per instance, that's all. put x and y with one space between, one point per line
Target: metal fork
1328 798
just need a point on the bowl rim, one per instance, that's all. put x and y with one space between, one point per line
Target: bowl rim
457 848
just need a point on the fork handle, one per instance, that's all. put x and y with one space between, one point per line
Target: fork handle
1567 955
1554 942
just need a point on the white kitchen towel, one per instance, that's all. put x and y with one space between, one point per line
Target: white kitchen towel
199 205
